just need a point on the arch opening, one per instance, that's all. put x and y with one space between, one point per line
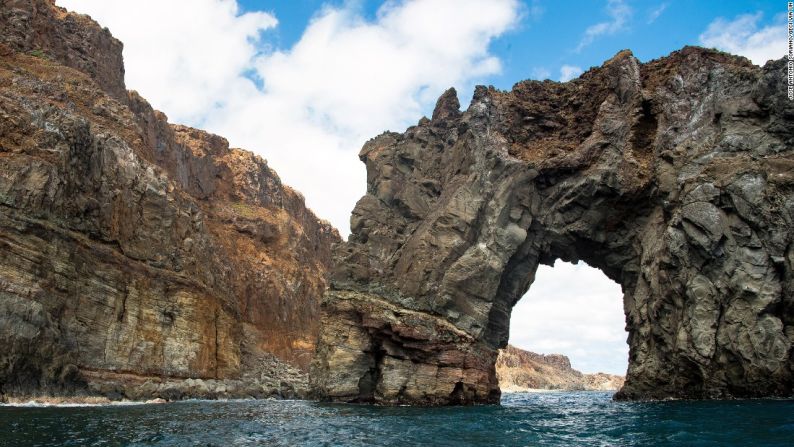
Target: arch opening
571 320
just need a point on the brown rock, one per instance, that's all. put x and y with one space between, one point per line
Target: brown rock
44 30
135 255
520 370
447 106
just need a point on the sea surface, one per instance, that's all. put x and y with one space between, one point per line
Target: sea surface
523 419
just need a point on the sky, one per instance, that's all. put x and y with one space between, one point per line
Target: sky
304 83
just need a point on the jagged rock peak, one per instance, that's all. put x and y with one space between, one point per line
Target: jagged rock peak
447 105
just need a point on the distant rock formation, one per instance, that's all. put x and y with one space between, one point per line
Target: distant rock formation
138 258
674 177
520 370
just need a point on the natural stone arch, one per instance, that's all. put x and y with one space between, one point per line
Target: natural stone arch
675 178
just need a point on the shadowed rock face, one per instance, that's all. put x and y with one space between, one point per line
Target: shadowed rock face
138 256
674 177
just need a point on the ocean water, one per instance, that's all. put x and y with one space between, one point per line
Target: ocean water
523 419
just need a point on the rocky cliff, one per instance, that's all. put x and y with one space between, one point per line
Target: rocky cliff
674 177
520 370
138 258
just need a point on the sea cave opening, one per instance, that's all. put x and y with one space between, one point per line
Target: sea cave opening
567 332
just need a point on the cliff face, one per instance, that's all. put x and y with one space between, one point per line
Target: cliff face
674 177
136 252
520 370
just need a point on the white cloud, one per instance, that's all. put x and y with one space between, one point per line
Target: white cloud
573 310
619 13
568 72
656 12
184 63
743 36
346 80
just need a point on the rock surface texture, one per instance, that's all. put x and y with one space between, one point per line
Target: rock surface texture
674 177
520 370
138 258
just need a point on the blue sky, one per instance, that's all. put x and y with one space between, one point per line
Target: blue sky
547 36
304 83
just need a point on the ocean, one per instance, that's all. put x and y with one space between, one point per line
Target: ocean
523 419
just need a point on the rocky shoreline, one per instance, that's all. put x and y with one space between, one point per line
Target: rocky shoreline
520 370
270 378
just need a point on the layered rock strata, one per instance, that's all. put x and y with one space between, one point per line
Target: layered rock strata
520 370
138 257
674 177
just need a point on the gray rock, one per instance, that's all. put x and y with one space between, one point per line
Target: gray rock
673 177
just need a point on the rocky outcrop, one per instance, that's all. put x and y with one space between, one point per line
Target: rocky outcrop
520 370
133 251
674 177
38 28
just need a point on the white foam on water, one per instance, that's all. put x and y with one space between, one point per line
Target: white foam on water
36 404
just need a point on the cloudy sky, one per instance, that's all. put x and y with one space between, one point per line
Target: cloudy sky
305 83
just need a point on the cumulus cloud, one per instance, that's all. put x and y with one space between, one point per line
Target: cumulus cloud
184 63
568 72
744 36
573 310
619 14
308 108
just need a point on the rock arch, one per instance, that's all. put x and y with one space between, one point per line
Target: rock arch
674 177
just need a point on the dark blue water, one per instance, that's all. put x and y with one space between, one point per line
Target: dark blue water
569 419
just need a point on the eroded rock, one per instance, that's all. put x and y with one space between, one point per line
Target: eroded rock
134 251
673 177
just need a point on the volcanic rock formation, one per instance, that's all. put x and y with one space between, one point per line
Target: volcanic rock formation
674 177
138 258
520 370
